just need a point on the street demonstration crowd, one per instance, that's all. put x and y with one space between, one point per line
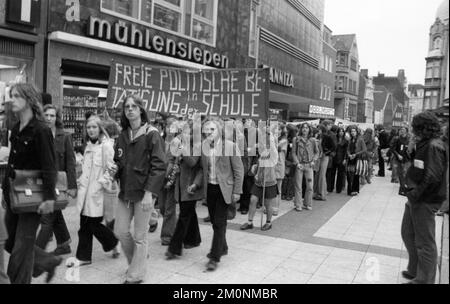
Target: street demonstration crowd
124 171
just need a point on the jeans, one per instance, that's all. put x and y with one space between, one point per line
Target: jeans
307 171
401 169
134 247
25 255
90 227
418 234
53 223
217 209
187 230
168 209
322 178
288 191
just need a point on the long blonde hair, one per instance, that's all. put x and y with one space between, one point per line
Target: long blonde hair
101 125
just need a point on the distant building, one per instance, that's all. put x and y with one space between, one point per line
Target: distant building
347 76
365 98
436 76
384 109
396 86
415 94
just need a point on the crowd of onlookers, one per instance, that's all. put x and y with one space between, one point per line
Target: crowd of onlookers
125 171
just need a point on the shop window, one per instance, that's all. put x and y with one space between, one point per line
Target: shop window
195 19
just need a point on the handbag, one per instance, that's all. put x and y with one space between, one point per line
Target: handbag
27 191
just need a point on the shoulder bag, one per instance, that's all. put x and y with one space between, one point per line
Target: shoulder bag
27 191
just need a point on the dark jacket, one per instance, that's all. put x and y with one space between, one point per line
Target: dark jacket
191 172
341 152
399 146
32 149
65 157
426 179
141 163
329 144
383 137
360 149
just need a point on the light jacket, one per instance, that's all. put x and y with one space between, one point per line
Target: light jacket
90 191
141 163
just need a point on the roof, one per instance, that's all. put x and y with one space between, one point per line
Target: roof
343 42
442 12
379 98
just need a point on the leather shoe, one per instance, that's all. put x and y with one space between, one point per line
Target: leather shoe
207 219
170 256
244 212
135 282
225 252
51 272
153 228
165 243
62 250
190 246
407 275
247 226
211 266
266 227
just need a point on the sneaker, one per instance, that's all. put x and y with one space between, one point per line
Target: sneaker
307 208
298 209
63 250
275 213
78 263
247 226
116 252
267 226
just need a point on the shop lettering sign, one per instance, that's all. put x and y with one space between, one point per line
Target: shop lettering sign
281 78
24 12
129 34
224 93
321 110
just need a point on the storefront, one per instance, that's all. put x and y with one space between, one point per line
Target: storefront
21 48
85 38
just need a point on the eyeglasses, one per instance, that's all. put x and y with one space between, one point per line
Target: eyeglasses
132 107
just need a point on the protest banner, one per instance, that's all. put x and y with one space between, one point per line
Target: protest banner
239 93
315 122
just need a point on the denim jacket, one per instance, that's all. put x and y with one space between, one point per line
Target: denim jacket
305 151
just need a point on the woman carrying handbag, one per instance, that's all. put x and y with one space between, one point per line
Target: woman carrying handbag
98 159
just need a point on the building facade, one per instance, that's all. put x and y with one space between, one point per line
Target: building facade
347 77
397 87
86 36
436 75
292 44
365 98
416 95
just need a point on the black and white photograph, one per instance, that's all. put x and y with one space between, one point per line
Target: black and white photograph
224 149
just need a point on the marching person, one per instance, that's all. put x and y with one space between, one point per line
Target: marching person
97 159
65 155
141 161
32 148
223 176
265 177
305 153
355 151
426 182
188 189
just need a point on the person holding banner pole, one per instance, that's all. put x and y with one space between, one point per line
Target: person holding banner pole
223 176
265 189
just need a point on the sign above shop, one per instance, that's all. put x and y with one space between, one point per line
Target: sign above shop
321 110
280 77
224 93
129 34
25 12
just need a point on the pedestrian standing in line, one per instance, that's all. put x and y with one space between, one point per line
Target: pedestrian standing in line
394 176
3 237
317 136
339 161
400 157
355 151
305 154
98 158
331 170
141 160
371 146
426 182
280 169
247 160
188 189
32 148
166 201
223 176
328 142
265 177
54 223
288 192
383 138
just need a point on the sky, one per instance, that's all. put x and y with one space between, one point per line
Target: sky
391 34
